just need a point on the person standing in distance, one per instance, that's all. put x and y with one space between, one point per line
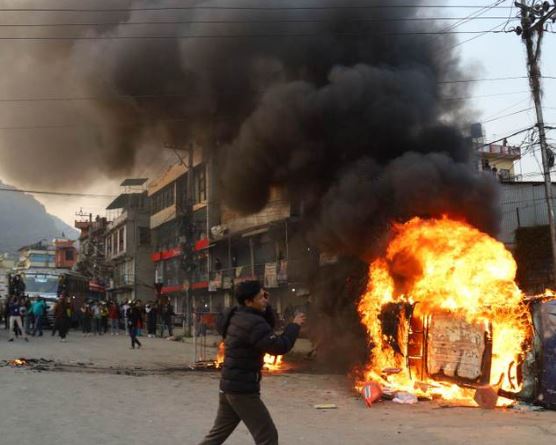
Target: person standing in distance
248 335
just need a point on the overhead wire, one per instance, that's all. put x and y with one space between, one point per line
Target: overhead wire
506 115
238 21
252 8
242 35
54 193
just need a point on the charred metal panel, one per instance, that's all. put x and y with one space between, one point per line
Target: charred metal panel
455 348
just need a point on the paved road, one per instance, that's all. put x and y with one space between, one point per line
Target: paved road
92 407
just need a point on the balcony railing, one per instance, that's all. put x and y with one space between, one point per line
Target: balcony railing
272 274
124 280
501 150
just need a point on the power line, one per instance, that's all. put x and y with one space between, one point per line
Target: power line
484 33
485 95
507 115
252 8
485 79
474 15
170 96
251 35
245 21
506 137
497 113
45 192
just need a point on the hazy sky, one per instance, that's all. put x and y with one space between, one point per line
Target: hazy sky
504 106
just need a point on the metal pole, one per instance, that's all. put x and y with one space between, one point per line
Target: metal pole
189 242
534 72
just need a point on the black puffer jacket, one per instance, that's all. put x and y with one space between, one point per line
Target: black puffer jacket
248 336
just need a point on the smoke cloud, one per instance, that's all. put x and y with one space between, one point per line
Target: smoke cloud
345 108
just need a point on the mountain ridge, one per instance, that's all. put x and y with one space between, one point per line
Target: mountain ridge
24 220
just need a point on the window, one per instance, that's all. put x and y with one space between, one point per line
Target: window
69 255
109 246
121 239
144 236
200 184
171 272
163 199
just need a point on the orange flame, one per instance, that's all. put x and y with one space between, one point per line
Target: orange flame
443 266
271 362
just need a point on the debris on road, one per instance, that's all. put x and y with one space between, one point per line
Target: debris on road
371 392
325 406
405 398
486 396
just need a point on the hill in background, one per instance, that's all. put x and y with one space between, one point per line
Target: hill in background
24 220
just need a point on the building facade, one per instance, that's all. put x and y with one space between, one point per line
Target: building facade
178 221
128 245
92 261
201 248
65 254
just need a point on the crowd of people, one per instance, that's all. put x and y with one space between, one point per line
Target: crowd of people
24 317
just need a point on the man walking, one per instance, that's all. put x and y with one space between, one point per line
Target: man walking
133 317
15 318
114 316
38 309
62 317
166 316
248 336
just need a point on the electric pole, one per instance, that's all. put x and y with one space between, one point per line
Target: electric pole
186 229
533 19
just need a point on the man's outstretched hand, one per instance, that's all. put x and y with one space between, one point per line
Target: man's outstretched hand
299 319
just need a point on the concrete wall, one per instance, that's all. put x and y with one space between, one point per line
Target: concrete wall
523 205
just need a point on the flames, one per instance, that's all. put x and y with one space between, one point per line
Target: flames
443 266
272 363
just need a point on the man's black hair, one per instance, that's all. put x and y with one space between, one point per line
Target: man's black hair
247 290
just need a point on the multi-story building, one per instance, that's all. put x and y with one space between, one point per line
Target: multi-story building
266 246
38 255
178 223
201 247
128 244
500 160
497 159
92 252
65 253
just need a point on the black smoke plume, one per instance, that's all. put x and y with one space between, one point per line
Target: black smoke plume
346 108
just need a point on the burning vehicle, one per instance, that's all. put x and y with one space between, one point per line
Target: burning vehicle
445 319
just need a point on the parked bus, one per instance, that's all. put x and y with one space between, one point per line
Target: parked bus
51 283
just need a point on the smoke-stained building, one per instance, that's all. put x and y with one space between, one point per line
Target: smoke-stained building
128 244
265 246
201 247
178 220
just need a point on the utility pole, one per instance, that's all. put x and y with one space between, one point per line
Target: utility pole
185 216
533 19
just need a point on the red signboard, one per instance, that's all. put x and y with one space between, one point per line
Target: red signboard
202 244
170 289
172 253
166 255
200 285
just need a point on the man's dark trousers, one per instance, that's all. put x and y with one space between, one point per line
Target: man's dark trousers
248 408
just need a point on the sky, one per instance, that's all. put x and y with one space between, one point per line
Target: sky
504 106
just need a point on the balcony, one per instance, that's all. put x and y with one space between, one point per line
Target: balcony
125 280
272 275
494 151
